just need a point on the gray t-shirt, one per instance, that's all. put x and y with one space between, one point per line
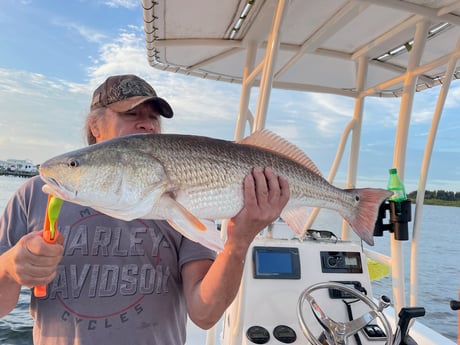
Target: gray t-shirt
118 282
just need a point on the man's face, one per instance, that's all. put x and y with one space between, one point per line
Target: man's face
142 119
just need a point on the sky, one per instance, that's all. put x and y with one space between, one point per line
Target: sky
55 53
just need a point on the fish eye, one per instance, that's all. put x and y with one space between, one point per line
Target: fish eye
73 163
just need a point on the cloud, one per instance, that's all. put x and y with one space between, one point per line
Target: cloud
124 54
129 4
39 115
87 33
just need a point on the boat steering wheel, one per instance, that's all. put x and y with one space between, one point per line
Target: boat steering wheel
337 333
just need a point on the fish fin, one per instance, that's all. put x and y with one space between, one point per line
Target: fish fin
210 238
270 141
363 220
191 219
203 231
296 218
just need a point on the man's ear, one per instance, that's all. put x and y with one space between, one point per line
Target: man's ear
94 128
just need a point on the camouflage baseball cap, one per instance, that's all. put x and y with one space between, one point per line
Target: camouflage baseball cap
122 93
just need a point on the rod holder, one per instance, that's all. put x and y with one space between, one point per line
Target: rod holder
400 215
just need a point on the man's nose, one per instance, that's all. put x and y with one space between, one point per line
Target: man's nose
147 125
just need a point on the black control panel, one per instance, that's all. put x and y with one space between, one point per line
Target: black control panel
341 262
340 294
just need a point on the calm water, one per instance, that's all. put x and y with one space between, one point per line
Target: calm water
438 259
16 327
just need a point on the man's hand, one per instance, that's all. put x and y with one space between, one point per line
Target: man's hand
32 261
265 196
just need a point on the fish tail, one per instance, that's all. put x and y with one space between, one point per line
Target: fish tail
362 221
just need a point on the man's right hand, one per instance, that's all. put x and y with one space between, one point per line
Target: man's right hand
33 261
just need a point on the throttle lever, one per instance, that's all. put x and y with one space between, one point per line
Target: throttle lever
405 315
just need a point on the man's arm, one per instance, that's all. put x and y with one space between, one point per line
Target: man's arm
210 287
30 262
9 289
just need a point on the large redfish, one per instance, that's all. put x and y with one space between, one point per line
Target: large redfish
190 180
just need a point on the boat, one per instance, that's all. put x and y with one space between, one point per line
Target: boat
316 288
18 167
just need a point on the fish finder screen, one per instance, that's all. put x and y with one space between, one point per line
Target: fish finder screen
276 263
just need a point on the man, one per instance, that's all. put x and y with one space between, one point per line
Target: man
117 282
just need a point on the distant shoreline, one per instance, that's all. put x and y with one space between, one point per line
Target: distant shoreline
18 173
438 202
438 197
